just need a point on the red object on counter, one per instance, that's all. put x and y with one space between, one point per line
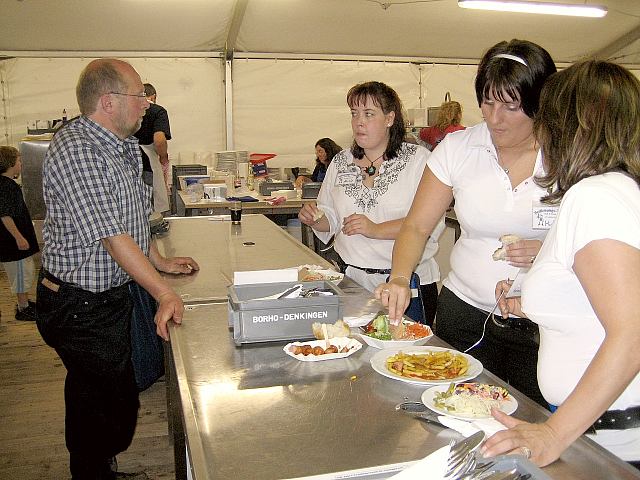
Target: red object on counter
259 163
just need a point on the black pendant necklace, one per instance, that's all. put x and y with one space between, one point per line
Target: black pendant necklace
371 169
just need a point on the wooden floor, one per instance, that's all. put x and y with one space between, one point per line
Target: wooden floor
32 409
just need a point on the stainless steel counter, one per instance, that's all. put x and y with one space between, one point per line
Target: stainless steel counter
221 248
254 412
207 207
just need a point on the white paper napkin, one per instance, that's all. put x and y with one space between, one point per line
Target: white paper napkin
265 276
432 467
488 425
355 322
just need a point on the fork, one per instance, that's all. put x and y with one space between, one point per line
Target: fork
462 457
484 327
330 246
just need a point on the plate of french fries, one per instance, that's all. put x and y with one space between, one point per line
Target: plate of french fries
426 365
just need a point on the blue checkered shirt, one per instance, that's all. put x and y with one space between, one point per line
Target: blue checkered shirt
93 189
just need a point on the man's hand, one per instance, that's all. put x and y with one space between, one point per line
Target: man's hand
177 265
170 307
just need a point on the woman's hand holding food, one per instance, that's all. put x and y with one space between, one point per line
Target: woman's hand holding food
508 305
358 224
311 215
536 441
396 296
522 253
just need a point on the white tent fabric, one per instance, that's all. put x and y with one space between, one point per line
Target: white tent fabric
279 106
191 89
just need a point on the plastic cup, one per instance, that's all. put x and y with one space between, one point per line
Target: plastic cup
196 192
236 212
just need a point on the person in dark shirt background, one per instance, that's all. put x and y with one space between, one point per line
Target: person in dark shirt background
153 135
326 149
18 241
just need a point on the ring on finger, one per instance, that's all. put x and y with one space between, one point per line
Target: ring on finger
526 451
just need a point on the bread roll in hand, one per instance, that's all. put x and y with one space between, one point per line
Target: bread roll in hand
508 239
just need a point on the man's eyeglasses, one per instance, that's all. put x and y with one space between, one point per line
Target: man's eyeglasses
139 95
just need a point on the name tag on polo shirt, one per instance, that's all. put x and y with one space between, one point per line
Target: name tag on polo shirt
543 216
346 178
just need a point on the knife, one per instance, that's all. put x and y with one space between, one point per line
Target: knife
420 411
428 417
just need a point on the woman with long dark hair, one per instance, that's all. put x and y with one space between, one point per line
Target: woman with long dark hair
326 149
367 192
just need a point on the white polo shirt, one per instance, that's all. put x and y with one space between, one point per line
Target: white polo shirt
487 207
604 206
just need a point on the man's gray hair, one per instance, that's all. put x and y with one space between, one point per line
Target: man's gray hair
99 77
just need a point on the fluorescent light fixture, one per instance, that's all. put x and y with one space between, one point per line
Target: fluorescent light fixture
577 10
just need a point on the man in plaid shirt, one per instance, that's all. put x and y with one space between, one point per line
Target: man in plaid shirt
96 240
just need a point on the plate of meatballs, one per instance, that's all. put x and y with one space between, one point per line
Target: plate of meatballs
318 350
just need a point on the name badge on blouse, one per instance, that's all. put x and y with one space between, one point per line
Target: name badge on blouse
543 216
346 178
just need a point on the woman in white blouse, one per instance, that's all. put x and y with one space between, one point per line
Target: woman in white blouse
583 287
367 192
489 169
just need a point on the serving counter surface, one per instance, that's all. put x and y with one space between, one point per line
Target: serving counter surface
254 412
221 248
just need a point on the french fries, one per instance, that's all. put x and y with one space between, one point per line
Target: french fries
437 365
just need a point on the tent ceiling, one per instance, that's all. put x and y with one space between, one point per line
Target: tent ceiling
431 30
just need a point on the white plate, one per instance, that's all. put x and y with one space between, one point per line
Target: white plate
379 364
508 406
330 275
399 344
339 342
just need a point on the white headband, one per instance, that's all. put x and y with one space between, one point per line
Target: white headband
511 57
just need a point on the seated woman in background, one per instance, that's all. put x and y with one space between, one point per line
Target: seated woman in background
449 118
326 149
368 191
582 289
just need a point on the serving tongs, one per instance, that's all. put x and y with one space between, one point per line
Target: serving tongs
297 291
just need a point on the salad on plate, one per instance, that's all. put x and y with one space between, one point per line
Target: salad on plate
380 329
472 400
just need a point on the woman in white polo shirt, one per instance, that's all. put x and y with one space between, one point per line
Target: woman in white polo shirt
583 288
489 170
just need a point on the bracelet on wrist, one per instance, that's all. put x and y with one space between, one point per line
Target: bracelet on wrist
393 277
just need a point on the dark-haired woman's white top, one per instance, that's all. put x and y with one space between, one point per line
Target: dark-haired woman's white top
343 193
487 207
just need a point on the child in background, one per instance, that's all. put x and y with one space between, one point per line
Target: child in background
18 241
